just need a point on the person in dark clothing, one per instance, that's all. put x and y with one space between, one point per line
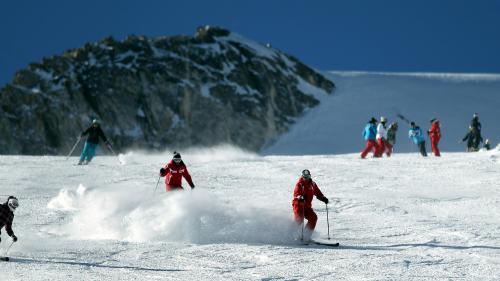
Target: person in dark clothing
476 131
469 137
487 145
7 216
94 132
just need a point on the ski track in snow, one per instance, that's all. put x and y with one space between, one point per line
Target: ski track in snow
399 218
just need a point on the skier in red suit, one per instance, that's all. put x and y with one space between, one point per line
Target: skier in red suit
173 173
305 189
435 135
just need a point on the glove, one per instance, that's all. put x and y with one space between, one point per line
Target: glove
325 200
162 171
301 198
192 187
14 238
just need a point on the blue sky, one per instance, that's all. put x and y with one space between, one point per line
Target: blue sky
384 35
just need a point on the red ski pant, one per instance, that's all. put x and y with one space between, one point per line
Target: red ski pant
172 188
370 145
434 146
300 213
383 146
388 148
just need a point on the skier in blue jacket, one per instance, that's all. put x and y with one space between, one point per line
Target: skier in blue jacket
369 133
415 134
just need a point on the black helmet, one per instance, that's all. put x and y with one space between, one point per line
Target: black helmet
13 203
306 174
177 157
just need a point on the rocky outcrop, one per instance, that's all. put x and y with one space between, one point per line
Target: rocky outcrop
215 87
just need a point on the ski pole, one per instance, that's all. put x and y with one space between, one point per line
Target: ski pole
303 220
111 148
7 251
74 146
327 221
157 184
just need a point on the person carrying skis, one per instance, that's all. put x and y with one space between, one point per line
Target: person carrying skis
415 134
391 135
95 132
7 216
370 133
303 193
173 173
382 144
435 135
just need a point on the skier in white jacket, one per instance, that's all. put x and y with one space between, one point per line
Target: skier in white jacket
382 144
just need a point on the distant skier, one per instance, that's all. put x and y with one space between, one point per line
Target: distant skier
95 132
7 216
303 193
487 144
469 137
173 173
435 135
415 134
476 131
370 133
391 135
382 144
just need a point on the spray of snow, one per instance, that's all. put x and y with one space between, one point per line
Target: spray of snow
197 217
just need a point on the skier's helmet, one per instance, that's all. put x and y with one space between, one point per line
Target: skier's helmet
383 119
177 157
306 174
412 124
475 115
373 120
95 122
13 203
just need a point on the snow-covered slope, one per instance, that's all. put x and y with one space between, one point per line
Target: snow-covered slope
403 218
335 126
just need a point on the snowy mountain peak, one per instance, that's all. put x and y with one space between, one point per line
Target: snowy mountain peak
210 88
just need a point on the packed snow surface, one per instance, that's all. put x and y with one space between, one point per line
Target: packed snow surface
336 124
399 218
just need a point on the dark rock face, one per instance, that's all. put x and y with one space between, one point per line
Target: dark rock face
216 87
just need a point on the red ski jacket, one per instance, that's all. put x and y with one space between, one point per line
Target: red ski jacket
308 189
435 131
173 174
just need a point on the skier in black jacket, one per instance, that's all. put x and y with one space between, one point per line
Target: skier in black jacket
95 132
7 216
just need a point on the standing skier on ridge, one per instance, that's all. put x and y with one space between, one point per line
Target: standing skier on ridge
435 135
7 216
391 135
173 173
382 144
370 133
415 134
95 132
305 189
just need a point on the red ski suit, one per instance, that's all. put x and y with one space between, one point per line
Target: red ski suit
301 210
435 136
173 174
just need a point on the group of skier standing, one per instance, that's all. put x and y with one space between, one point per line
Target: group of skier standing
381 139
